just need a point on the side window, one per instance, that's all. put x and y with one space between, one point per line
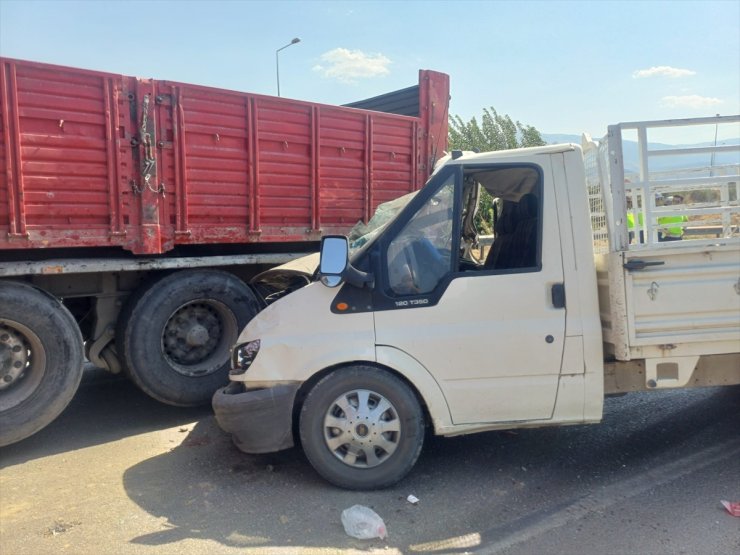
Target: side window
516 235
515 217
420 255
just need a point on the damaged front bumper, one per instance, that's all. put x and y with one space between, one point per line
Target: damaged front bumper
259 420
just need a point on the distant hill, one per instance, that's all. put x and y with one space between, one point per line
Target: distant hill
663 163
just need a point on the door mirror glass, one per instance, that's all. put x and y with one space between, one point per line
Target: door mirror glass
334 253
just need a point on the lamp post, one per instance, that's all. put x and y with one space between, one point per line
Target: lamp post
277 60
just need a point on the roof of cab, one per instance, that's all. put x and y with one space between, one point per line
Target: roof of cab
469 156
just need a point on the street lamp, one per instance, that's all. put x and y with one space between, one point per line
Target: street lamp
277 60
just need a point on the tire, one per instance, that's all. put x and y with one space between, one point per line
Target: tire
41 358
175 336
341 428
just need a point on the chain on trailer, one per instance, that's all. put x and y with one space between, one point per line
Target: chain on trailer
150 163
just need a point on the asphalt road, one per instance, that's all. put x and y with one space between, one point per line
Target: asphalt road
120 474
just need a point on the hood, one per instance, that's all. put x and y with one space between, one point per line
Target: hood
277 282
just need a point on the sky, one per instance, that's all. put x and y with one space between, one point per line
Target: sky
563 67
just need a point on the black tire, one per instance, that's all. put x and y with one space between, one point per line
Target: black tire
41 358
365 446
175 335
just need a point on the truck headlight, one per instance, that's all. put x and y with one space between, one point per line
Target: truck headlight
243 356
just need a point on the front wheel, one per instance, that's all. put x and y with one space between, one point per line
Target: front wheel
362 428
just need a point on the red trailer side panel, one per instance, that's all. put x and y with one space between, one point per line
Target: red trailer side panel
96 159
6 175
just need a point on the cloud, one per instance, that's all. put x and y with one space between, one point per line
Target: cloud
689 101
662 71
347 66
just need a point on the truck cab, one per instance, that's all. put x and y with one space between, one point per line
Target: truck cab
413 327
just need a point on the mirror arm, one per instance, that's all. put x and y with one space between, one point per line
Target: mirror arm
355 277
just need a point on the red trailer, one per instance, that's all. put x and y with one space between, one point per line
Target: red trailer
133 213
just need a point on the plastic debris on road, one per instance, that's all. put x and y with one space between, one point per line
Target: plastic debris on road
732 507
363 523
412 499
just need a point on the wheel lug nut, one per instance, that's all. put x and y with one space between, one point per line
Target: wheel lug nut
17 364
7 378
4 337
16 348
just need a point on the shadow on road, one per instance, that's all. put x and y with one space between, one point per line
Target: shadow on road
106 408
206 489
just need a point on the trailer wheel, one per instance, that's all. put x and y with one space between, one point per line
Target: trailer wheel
361 428
40 360
175 336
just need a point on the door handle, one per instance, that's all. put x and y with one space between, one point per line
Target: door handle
558 295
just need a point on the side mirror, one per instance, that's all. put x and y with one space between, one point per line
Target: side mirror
334 259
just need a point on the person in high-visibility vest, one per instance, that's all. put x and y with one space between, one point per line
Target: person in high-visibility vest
631 221
669 232
631 225
666 232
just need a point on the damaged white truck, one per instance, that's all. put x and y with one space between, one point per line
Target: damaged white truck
579 296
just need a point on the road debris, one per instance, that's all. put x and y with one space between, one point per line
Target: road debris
412 499
732 507
363 523
60 527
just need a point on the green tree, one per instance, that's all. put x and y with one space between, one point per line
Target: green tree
495 132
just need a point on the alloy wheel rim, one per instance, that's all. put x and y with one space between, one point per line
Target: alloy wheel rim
362 428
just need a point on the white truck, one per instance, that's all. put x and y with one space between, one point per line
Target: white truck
571 302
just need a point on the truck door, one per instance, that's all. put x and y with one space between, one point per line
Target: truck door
490 334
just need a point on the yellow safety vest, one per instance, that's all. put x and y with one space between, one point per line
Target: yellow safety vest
672 231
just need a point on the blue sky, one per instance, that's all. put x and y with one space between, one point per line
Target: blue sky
564 67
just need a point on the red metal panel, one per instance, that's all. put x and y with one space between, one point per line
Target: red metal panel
178 145
62 142
434 93
7 177
369 168
4 178
128 170
284 179
315 170
342 178
14 187
254 169
151 233
214 125
167 184
392 158
111 116
223 167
